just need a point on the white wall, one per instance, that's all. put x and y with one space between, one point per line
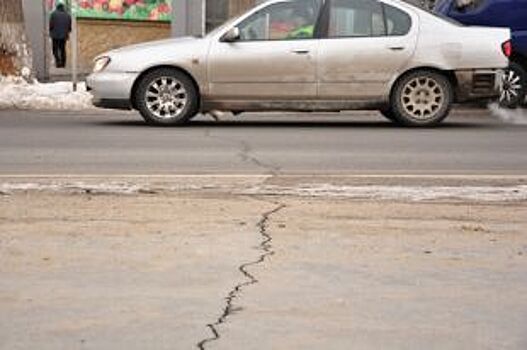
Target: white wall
36 30
188 17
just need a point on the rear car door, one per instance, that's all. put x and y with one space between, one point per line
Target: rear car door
274 58
366 43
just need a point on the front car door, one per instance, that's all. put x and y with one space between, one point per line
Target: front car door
366 44
273 61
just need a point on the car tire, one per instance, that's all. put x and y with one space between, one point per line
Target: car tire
422 99
514 86
166 96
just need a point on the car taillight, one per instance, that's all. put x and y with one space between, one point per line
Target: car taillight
507 48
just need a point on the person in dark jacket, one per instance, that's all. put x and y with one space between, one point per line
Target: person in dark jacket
59 31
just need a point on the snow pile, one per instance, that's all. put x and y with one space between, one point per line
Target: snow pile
17 93
321 190
74 187
405 193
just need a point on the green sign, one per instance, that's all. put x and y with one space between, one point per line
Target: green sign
135 10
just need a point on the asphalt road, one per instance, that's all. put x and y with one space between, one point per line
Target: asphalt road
99 142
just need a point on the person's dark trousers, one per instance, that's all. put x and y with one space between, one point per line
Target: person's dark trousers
59 52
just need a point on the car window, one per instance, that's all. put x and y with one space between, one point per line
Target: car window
397 22
282 21
356 18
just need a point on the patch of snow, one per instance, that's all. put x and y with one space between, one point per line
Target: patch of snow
17 93
405 193
119 188
73 187
396 193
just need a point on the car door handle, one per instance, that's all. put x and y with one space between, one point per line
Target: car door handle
397 48
301 52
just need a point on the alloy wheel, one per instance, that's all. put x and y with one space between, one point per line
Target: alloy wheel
166 97
422 98
511 87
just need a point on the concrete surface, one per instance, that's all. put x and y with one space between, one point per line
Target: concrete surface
83 272
206 269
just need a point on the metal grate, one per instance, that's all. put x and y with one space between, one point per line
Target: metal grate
483 83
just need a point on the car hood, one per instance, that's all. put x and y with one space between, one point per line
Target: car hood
152 45
177 52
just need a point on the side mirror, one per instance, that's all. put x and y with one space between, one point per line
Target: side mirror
232 35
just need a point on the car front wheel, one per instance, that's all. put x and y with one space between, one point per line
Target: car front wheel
513 86
422 98
166 97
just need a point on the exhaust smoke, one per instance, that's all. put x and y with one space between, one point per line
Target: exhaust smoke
510 116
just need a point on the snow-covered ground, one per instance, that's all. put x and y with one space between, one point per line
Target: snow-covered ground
16 93
316 190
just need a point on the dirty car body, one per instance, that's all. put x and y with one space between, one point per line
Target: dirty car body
309 55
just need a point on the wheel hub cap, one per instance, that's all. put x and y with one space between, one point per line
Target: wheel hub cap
422 98
510 86
166 97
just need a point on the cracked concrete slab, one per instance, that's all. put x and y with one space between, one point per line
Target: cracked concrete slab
152 270
378 275
266 251
123 272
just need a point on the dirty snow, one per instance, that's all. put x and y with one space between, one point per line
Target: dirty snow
398 193
73 187
111 187
406 193
17 93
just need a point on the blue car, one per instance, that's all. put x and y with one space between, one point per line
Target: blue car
498 13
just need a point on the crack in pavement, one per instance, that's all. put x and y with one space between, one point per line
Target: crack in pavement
245 153
266 248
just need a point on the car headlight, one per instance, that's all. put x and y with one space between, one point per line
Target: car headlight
101 63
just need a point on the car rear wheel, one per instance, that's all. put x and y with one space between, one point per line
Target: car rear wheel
513 86
422 98
166 97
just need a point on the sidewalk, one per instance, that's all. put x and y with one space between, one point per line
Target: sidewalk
64 74
201 266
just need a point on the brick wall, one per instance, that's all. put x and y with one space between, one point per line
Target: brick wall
98 36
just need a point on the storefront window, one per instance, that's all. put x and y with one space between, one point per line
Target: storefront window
135 10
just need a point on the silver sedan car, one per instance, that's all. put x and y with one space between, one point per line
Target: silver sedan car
309 55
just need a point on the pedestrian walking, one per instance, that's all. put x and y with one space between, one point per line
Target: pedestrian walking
59 31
